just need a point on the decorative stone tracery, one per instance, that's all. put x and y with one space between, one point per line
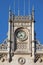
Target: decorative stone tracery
3 57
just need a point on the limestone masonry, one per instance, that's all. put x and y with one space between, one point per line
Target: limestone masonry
21 46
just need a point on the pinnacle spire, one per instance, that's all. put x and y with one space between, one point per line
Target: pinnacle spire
33 12
10 14
33 8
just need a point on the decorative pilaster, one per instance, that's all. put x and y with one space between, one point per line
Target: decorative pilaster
12 34
33 43
9 36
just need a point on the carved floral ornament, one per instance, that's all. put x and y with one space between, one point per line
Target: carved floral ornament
3 57
21 60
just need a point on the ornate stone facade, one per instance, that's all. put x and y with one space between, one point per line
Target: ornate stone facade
21 46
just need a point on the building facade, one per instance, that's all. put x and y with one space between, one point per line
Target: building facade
21 46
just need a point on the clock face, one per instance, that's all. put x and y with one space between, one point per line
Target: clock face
21 35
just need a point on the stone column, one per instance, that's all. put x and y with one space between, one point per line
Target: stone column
9 41
12 34
9 37
33 44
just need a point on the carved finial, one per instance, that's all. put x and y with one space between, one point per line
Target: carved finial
33 8
10 14
33 12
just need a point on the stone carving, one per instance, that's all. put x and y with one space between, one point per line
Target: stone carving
3 57
21 60
21 46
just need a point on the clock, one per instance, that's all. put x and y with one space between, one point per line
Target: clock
21 35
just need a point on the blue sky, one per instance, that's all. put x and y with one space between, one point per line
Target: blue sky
4 10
